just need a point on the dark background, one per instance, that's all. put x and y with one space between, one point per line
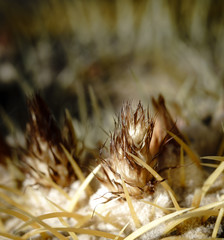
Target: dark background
118 49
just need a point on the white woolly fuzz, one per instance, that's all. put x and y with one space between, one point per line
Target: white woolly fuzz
118 211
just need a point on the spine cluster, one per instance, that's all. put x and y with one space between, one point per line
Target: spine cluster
142 136
44 155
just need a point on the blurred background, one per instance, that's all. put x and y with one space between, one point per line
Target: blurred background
90 56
